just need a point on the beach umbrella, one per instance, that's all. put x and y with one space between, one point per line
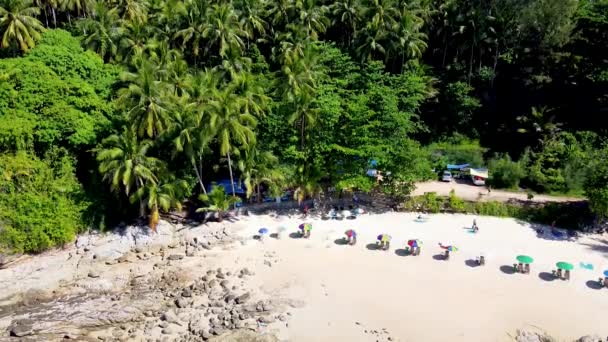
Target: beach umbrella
263 231
564 266
524 259
414 243
350 233
606 273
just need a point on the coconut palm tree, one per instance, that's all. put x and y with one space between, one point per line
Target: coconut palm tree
101 31
192 35
145 99
251 17
18 24
81 7
312 17
136 39
123 161
159 197
297 84
230 124
259 167
134 11
223 29
217 201
347 13
249 88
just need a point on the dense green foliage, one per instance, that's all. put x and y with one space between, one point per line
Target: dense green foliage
295 95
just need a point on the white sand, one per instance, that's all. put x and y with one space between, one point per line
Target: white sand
421 298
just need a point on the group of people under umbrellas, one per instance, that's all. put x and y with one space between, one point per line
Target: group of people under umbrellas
413 247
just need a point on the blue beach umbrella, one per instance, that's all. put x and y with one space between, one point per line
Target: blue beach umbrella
263 231
606 273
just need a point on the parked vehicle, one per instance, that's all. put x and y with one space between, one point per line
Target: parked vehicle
446 176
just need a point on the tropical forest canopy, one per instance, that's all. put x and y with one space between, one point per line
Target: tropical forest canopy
118 109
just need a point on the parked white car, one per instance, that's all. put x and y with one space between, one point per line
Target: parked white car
447 176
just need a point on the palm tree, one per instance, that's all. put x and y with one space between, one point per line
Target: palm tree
136 40
223 29
192 35
297 84
251 17
101 31
230 124
123 161
249 88
408 41
312 17
217 201
191 137
280 12
47 5
348 13
134 11
372 43
145 99
18 24
259 167
160 197
81 7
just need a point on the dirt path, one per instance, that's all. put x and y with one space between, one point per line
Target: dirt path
479 193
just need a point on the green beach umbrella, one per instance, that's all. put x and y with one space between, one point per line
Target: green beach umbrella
564 266
524 259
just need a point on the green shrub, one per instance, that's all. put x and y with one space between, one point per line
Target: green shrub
505 173
456 203
39 202
431 202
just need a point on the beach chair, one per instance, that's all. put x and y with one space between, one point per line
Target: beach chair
515 268
527 269
482 260
559 273
606 282
567 275
446 255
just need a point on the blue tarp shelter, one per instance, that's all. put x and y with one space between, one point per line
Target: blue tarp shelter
457 167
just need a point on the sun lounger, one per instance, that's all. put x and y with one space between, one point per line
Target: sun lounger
559 273
527 269
515 268
606 282
567 275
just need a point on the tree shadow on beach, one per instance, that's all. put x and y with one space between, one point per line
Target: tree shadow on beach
594 285
507 269
402 252
295 235
546 276
341 242
471 263
372 246
439 257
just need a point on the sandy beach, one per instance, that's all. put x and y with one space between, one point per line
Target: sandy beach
349 290
123 287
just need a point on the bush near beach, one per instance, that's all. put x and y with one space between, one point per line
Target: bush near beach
117 112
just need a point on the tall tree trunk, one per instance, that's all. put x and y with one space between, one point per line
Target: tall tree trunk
471 62
46 16
259 193
54 17
198 175
230 171
445 51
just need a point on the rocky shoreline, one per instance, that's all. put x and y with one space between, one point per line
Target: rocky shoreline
138 286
